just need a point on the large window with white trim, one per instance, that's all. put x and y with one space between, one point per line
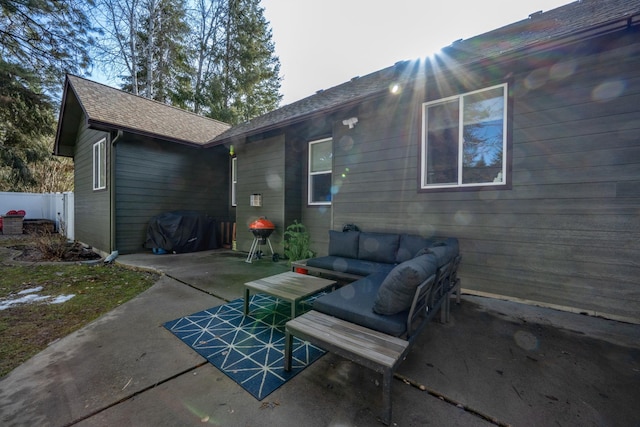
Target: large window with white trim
100 165
464 140
320 164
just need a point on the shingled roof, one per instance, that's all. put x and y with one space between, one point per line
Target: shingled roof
576 20
112 109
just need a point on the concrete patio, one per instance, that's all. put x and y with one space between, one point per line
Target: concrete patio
495 363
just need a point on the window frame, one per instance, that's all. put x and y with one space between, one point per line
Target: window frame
99 171
459 185
310 174
234 181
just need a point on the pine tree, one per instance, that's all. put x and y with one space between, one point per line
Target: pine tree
161 54
40 40
222 65
246 80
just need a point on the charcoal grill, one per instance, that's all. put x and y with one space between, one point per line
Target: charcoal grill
261 229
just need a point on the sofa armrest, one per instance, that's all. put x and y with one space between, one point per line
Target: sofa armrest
324 271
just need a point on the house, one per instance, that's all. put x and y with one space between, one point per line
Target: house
136 158
523 142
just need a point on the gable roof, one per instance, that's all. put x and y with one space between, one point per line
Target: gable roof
109 109
580 19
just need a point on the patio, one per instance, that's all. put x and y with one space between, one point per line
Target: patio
495 363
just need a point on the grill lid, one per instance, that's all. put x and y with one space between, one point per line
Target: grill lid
262 223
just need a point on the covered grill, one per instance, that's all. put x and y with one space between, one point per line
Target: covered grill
261 229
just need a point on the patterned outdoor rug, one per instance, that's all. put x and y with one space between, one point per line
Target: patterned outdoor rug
248 349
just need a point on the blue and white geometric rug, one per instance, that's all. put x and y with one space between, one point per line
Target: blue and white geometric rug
248 349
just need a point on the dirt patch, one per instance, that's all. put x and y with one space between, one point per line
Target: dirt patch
48 247
72 252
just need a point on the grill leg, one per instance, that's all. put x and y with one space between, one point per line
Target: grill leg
252 251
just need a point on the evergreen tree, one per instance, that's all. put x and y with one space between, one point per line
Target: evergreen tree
162 70
40 40
246 81
46 37
26 120
222 65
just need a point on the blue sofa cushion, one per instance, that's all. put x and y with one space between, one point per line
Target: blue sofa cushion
353 303
349 265
378 247
409 245
444 250
344 244
398 288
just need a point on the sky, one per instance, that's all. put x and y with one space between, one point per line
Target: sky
323 43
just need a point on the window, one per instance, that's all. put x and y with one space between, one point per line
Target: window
320 163
234 180
464 140
100 165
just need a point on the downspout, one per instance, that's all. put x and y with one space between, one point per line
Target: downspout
112 199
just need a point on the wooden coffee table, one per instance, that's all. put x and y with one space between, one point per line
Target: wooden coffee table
288 286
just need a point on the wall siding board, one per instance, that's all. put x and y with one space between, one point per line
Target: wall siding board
568 293
614 255
609 173
261 169
91 208
617 207
578 128
293 177
157 176
566 233
625 138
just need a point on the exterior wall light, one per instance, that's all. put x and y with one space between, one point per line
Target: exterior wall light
255 200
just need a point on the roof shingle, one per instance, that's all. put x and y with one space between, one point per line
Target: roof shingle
111 107
539 29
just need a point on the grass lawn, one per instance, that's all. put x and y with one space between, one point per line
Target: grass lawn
26 329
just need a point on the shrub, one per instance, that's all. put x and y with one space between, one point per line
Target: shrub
296 242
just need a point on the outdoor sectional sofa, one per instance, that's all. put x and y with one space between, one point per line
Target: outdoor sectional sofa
401 282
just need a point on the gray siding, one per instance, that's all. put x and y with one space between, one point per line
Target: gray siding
276 167
567 233
91 207
157 176
293 181
317 219
261 170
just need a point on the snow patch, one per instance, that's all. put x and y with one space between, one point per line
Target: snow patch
30 297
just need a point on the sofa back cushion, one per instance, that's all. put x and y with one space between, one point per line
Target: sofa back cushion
409 246
344 243
378 247
398 288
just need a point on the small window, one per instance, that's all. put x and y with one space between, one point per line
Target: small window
100 165
234 180
464 140
320 164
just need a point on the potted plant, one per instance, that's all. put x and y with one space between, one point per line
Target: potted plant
296 243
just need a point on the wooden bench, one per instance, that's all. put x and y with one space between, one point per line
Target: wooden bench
372 349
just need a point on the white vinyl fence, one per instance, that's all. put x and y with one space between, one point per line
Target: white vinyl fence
56 207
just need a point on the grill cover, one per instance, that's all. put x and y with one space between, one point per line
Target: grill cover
182 231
